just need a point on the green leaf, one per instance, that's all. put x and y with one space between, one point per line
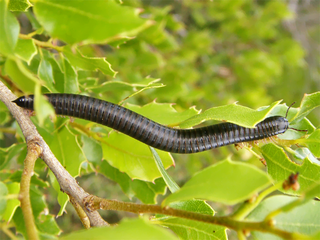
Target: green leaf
147 192
310 192
303 152
229 182
37 201
19 5
280 167
308 103
62 197
9 30
132 157
163 113
138 229
306 196
303 219
171 184
5 116
26 49
70 77
111 86
232 113
88 22
67 150
42 107
304 124
8 154
35 180
45 223
92 149
77 59
58 74
151 85
116 85
189 229
45 73
3 198
313 142
13 203
21 76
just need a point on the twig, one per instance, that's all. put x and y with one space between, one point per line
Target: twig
82 215
41 44
93 203
33 154
67 183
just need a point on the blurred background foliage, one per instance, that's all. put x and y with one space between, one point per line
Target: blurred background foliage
215 53
211 53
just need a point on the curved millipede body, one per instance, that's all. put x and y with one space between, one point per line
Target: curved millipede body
155 134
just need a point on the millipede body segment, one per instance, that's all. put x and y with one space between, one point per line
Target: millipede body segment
152 133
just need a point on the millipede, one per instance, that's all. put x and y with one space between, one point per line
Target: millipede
154 134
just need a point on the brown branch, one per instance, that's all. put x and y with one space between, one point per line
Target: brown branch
67 183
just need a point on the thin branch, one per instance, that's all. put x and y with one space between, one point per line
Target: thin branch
34 151
8 130
82 215
67 183
41 44
95 203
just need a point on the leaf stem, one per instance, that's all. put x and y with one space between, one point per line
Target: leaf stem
41 44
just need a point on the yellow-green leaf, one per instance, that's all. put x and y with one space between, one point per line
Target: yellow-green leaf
88 21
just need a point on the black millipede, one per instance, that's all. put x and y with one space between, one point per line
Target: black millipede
154 134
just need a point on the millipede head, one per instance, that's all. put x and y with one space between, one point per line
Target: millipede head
282 123
294 128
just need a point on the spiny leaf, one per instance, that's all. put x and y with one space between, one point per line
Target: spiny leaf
280 167
9 30
137 229
188 229
308 103
25 49
147 192
229 182
19 5
294 221
98 20
132 157
232 113
78 60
